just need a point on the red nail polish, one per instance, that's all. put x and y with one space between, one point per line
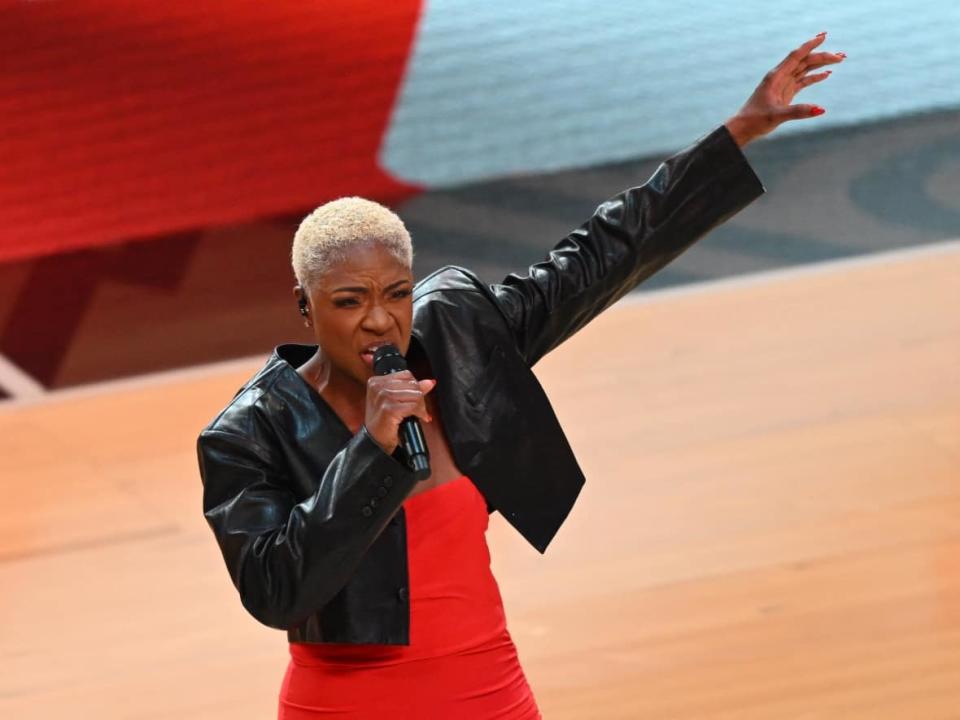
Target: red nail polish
817 110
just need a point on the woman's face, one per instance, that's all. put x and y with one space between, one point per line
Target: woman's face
358 303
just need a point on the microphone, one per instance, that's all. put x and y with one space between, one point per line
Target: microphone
386 360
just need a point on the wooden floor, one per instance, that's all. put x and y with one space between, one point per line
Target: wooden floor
770 526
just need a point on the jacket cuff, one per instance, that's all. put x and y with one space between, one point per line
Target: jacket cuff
384 471
720 150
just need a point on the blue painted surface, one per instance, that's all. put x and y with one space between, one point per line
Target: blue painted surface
498 88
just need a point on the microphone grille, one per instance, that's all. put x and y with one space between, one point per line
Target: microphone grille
387 359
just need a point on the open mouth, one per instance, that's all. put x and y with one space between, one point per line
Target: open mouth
367 353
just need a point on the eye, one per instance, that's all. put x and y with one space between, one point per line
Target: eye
401 293
345 302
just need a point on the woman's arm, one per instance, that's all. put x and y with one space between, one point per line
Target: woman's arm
636 233
286 558
629 238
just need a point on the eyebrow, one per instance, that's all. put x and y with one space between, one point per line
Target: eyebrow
363 289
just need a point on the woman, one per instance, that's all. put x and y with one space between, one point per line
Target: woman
382 582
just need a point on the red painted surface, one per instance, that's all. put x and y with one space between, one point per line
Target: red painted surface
123 120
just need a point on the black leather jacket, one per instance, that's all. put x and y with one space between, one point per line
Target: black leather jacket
309 516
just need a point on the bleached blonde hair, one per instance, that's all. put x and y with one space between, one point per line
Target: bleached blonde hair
327 235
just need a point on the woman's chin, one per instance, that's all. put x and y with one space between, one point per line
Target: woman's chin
365 369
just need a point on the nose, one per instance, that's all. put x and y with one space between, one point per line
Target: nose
377 320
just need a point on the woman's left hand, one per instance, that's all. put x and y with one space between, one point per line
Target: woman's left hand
770 103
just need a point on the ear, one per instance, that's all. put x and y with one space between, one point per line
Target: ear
300 294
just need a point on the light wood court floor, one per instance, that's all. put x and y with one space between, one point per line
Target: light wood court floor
770 526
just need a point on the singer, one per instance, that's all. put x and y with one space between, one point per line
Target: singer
382 581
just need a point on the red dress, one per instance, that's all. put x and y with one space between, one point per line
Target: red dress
461 661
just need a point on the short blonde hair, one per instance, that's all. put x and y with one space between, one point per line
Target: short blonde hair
327 235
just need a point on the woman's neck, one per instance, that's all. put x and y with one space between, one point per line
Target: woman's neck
342 392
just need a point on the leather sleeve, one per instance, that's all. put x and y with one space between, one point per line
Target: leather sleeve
288 558
629 238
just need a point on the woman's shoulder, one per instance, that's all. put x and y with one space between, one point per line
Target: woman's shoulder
447 278
456 288
248 414
456 295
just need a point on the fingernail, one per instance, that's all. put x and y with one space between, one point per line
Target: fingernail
817 110
841 54
821 34
828 72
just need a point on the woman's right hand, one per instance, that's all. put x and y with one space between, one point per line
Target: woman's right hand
391 399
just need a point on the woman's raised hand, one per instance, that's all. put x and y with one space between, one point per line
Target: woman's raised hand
392 398
770 103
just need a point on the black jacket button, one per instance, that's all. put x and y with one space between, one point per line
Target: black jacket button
367 511
382 492
388 481
373 502
403 594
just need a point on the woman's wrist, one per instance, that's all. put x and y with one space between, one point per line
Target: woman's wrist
741 130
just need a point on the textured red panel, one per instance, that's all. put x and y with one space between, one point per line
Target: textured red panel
126 119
